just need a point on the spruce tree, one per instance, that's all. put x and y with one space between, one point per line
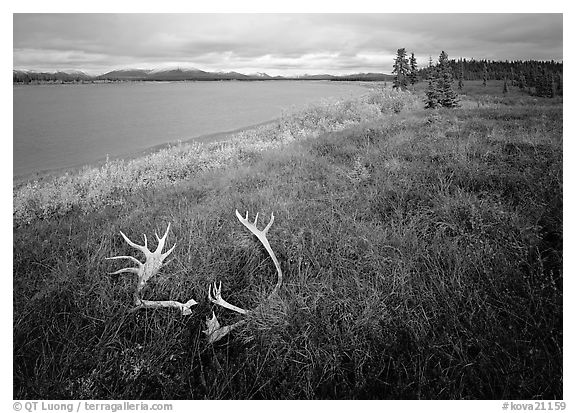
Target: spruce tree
446 96
461 76
505 89
484 75
413 75
559 84
542 83
401 69
521 81
432 98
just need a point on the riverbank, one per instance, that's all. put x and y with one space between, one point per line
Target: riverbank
421 253
57 127
49 174
19 180
93 187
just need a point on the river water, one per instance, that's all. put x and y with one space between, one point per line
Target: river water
59 126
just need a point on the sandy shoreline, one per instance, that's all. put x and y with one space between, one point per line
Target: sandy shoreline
207 138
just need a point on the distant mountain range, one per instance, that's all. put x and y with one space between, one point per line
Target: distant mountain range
176 74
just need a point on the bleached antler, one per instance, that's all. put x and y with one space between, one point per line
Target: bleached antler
214 331
145 271
214 294
261 235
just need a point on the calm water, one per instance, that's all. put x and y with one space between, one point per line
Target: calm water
58 126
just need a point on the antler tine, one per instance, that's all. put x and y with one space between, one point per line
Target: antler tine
252 226
162 241
123 270
265 230
125 257
142 248
210 296
168 252
145 241
215 295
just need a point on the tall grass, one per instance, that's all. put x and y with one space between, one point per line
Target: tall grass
422 254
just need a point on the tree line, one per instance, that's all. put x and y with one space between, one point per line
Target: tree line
44 77
540 78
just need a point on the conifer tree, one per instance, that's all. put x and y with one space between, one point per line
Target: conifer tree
401 69
521 81
543 83
413 75
559 84
432 98
505 89
461 76
484 75
446 96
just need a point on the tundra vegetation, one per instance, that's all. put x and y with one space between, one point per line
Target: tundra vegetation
421 251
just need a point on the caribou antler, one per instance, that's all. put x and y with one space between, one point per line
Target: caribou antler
146 270
261 235
214 331
216 298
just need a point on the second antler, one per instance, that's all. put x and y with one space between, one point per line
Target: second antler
214 331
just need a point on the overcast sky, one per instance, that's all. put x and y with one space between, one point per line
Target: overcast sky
275 43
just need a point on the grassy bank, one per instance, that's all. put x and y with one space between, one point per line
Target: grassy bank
421 250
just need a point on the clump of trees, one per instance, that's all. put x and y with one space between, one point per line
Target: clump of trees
440 92
405 70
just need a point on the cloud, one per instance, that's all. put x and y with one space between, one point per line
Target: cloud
298 43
